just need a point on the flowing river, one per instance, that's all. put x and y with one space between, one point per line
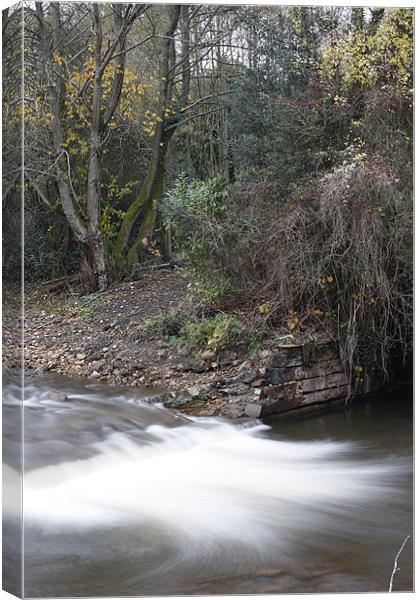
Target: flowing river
125 499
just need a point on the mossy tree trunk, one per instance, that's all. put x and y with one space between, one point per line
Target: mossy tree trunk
139 221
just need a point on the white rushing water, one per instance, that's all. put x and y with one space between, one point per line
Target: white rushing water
204 484
124 498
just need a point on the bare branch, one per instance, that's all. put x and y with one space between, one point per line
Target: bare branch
192 117
396 567
39 192
204 99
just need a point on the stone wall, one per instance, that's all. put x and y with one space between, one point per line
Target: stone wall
308 375
296 377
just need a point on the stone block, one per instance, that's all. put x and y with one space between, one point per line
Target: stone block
325 395
274 375
323 382
315 370
288 356
327 351
253 410
271 392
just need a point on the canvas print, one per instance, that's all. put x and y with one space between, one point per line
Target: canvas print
207 299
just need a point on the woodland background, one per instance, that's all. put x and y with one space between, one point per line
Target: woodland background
267 149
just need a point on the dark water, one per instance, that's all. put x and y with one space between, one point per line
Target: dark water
122 498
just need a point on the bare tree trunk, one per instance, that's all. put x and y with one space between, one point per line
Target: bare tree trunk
62 165
95 239
166 242
185 45
96 248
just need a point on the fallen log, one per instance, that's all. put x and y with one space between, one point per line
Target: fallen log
62 282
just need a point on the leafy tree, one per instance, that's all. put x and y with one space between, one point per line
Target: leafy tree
85 95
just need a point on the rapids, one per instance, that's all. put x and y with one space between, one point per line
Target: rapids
127 498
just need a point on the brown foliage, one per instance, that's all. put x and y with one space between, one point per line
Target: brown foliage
338 255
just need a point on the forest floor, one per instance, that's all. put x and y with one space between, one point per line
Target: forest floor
106 337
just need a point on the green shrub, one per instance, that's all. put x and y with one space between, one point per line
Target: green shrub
189 201
135 271
190 209
210 285
215 333
254 344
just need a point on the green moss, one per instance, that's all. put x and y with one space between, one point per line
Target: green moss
134 211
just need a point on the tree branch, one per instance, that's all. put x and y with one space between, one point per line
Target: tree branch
396 567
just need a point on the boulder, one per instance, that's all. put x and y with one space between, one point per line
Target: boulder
208 355
57 397
235 389
194 391
250 377
253 410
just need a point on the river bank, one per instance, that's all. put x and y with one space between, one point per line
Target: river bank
107 338
116 337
